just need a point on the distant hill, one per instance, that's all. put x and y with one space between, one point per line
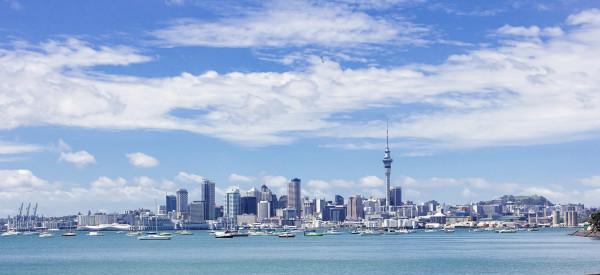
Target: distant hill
520 200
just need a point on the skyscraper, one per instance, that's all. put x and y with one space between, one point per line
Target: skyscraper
294 196
208 195
171 203
387 164
232 203
248 205
339 200
395 196
182 203
355 207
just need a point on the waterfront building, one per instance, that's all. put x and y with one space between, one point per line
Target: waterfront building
264 210
294 196
338 213
171 203
248 205
182 203
208 195
197 211
387 164
232 203
555 218
355 207
396 196
308 207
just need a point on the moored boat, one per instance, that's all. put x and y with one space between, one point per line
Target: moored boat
312 234
69 234
46 235
154 238
95 233
332 232
371 233
286 235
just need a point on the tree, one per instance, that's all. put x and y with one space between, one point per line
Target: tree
595 221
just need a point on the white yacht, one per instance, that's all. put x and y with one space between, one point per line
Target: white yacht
332 232
46 235
95 233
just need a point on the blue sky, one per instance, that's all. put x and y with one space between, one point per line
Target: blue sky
105 106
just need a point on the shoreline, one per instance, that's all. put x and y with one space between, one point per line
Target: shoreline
586 233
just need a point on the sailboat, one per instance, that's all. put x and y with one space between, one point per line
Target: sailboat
155 236
70 233
10 232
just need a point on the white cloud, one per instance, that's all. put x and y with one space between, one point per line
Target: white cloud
7 148
275 181
371 181
587 17
240 178
79 158
142 160
44 84
591 181
293 23
185 177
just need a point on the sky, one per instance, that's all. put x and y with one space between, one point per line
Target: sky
105 106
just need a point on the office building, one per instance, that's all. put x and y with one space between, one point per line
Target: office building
295 196
355 207
396 196
197 211
339 200
182 203
171 203
248 205
264 210
232 203
208 195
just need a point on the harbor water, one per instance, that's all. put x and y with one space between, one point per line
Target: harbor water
548 251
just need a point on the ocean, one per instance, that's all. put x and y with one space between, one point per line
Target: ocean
548 251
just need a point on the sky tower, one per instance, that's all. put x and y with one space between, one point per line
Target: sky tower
387 164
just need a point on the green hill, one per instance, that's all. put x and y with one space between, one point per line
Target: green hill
520 200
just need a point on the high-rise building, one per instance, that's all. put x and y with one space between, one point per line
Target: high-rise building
197 211
265 193
387 164
232 203
339 200
248 205
555 218
396 196
208 195
355 207
182 203
264 210
295 196
253 193
171 203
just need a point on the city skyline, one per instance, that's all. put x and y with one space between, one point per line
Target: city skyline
110 109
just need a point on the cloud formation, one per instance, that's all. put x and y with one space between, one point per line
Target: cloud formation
485 97
280 24
79 158
142 160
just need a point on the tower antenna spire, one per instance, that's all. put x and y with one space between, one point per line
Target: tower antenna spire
387 133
